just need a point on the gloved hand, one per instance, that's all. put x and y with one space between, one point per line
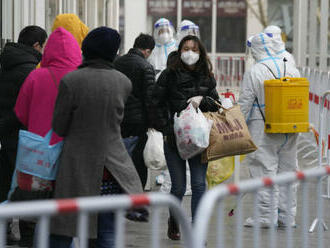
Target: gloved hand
208 105
195 101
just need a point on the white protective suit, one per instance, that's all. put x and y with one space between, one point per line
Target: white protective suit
185 28
249 61
278 44
165 44
276 152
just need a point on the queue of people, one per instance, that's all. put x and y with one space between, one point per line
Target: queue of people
100 105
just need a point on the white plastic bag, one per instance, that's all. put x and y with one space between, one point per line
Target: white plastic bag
153 153
192 132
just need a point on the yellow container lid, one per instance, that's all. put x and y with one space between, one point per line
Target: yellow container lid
287 82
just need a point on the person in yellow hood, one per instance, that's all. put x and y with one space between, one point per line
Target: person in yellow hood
73 24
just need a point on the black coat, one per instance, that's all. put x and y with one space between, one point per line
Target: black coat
137 117
17 61
174 88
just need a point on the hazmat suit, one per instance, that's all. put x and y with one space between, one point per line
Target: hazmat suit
278 44
249 61
185 28
165 44
276 152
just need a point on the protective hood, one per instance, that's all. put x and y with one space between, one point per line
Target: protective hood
262 47
187 27
163 27
15 54
276 32
62 50
73 24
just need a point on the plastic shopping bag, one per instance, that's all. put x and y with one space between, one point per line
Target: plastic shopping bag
219 171
192 132
153 153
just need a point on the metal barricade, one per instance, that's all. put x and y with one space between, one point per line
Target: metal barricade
229 71
215 199
84 206
319 83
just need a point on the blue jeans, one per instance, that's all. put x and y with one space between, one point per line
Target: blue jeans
177 168
130 143
105 234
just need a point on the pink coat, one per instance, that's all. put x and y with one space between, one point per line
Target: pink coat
37 96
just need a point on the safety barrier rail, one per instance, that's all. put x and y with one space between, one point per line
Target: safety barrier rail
84 206
215 199
229 70
319 83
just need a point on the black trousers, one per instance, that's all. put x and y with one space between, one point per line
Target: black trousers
138 160
7 167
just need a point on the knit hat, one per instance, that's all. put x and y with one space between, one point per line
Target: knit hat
102 42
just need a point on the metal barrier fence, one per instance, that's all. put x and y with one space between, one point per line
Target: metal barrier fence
229 70
319 83
43 210
214 199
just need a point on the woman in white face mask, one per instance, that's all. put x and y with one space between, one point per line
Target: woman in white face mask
188 77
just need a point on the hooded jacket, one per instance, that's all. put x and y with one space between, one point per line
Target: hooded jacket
17 61
36 99
73 24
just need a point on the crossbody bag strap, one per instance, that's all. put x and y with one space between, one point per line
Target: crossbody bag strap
53 77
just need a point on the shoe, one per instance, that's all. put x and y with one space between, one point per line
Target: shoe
282 225
139 215
173 231
250 222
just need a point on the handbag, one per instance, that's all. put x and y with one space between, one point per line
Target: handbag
35 156
229 134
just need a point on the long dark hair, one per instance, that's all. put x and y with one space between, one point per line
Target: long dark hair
203 65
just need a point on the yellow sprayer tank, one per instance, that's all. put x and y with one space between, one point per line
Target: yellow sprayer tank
286 105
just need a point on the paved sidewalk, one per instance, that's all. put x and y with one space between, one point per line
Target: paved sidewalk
139 234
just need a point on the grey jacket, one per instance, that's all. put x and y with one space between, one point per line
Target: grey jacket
88 113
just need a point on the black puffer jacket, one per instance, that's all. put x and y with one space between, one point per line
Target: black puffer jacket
137 116
17 61
172 91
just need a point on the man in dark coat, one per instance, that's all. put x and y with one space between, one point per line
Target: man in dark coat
17 61
137 116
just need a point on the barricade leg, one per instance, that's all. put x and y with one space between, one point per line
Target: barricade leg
120 229
272 238
256 227
220 224
82 230
305 214
3 231
239 221
155 227
43 232
289 220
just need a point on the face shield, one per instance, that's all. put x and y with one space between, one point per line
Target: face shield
187 28
249 61
163 31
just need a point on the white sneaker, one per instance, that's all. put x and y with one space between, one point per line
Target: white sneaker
250 222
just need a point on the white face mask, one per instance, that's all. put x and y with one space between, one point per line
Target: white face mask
164 38
190 57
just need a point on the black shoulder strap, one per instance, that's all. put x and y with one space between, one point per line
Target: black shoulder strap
262 114
270 71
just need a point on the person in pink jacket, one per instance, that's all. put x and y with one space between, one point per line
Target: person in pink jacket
37 96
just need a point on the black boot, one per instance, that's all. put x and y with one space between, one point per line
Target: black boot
173 231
